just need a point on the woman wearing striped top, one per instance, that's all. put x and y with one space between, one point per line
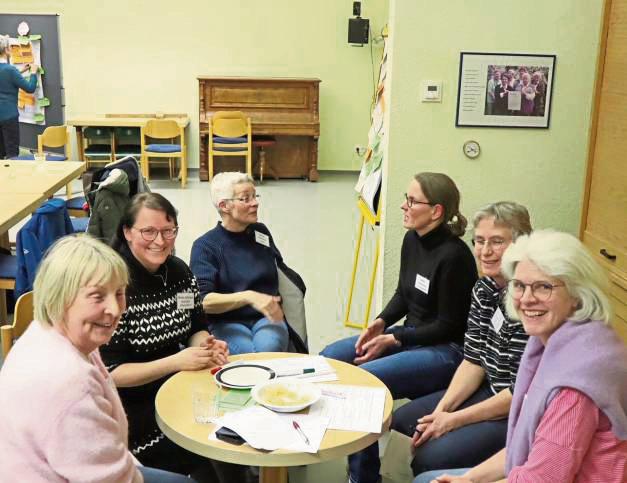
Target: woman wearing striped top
466 423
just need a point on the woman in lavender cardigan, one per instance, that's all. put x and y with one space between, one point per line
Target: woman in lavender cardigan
568 420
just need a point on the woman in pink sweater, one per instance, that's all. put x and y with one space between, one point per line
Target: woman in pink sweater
61 418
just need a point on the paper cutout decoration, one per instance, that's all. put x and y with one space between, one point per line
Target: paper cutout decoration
23 28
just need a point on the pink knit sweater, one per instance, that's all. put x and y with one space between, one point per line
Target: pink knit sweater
61 418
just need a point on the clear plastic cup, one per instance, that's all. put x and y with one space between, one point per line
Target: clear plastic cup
204 403
40 158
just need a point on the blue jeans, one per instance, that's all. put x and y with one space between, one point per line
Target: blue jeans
463 447
408 372
247 337
430 475
153 475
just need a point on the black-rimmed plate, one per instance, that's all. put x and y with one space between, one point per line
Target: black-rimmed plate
243 376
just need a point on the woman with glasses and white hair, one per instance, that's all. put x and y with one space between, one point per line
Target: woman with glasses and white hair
467 422
163 313
11 81
568 418
235 264
62 419
436 277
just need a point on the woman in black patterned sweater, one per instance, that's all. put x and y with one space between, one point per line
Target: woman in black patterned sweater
163 314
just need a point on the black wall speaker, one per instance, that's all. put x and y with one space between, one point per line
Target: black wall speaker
358 30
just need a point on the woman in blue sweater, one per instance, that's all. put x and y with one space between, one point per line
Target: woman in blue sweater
235 265
11 81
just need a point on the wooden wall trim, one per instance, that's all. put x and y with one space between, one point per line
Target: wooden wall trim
594 120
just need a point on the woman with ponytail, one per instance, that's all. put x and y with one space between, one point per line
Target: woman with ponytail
436 277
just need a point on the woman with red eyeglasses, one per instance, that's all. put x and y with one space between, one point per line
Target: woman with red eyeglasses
163 313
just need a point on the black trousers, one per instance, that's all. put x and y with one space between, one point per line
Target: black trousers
9 138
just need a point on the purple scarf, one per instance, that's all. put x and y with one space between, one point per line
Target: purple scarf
588 357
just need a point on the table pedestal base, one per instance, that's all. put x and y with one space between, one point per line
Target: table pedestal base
275 474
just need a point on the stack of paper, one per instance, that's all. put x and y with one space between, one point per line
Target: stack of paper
267 430
351 408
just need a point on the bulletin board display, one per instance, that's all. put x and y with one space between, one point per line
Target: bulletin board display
46 107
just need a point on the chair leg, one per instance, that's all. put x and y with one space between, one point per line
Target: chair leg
183 170
3 307
249 165
262 163
145 168
210 166
68 190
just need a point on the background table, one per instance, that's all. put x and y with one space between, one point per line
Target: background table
130 120
175 418
45 178
24 185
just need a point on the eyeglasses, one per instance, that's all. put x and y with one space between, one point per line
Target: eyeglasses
495 243
411 202
150 233
247 200
540 290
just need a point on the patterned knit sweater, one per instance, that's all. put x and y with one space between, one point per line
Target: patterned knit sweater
151 328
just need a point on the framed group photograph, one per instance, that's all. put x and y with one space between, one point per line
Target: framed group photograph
504 90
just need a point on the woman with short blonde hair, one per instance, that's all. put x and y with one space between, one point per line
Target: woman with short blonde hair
62 419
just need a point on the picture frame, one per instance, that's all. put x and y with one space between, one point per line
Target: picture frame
524 102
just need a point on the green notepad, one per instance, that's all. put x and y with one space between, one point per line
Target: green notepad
234 399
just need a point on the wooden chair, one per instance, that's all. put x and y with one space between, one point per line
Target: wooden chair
8 272
230 135
56 137
169 129
22 317
127 142
98 145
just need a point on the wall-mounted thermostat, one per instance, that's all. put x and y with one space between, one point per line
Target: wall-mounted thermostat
431 91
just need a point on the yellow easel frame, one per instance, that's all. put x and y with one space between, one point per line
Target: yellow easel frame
372 220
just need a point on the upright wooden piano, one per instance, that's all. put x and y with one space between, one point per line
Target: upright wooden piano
285 108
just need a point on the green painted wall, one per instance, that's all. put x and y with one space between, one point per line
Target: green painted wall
543 169
144 56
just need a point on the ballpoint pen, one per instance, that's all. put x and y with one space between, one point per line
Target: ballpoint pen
298 372
301 432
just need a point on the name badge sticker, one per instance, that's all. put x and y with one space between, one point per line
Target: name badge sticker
422 283
184 300
262 239
497 320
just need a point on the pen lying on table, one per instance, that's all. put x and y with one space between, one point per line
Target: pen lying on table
298 372
301 432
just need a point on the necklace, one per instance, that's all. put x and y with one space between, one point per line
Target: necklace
164 277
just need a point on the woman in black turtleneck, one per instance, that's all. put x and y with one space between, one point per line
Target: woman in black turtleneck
433 294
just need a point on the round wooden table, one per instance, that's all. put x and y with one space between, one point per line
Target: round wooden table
175 417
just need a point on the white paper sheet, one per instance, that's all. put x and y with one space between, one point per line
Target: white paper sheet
267 430
357 408
323 371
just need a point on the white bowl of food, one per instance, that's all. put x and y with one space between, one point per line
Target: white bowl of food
286 396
